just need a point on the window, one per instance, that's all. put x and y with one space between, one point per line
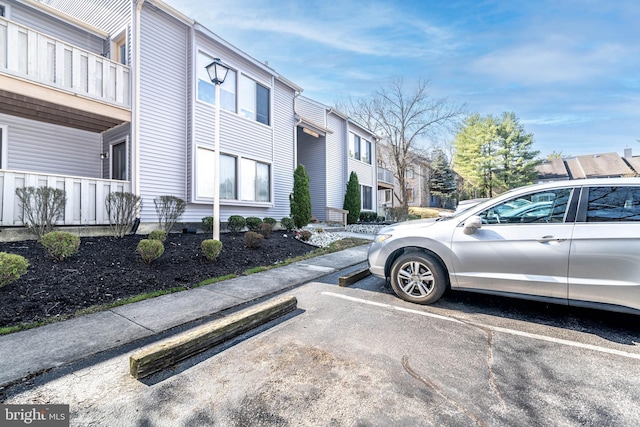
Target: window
409 173
253 100
367 202
366 157
204 174
227 177
207 90
354 147
387 196
1 10
544 207
255 181
608 204
119 48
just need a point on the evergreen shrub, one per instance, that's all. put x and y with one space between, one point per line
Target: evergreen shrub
60 244
12 266
150 250
211 248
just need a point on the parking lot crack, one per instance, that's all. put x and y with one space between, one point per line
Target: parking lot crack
439 391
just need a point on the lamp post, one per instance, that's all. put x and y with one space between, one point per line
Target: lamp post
217 73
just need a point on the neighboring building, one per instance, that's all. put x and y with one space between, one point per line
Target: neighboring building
331 146
607 165
416 180
115 97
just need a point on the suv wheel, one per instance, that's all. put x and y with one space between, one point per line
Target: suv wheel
418 278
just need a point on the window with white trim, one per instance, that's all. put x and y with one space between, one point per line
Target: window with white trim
253 100
387 193
354 146
204 174
119 48
255 181
366 155
207 90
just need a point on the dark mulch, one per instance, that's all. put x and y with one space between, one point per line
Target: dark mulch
107 269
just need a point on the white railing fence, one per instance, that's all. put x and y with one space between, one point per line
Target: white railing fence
85 197
35 56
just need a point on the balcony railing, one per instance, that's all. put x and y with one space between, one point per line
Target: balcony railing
385 176
85 197
37 57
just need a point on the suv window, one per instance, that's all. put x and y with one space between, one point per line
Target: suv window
613 204
543 207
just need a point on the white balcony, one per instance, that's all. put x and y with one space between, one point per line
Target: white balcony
85 197
385 176
36 57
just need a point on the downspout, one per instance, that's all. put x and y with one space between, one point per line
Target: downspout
295 130
135 123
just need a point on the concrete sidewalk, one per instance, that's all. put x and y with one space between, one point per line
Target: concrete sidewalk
36 350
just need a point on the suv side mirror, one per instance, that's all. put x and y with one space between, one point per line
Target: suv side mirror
471 224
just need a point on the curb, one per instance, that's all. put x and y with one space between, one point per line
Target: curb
352 278
168 352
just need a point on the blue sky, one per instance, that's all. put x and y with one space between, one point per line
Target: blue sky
569 69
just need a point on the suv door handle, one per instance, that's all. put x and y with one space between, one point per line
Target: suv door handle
549 239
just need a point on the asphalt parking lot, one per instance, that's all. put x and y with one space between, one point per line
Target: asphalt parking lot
360 356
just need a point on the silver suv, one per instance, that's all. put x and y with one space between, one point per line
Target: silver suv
570 242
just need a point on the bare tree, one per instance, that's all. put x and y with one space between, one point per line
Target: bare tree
406 120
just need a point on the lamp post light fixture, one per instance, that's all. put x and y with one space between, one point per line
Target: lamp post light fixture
217 73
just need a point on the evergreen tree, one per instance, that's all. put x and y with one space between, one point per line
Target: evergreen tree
493 155
516 162
352 201
300 200
442 184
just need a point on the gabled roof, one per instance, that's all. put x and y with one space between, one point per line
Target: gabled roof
588 166
552 169
598 166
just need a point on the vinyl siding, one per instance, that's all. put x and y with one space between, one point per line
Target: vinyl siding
107 15
42 147
311 111
337 175
312 153
244 138
53 27
163 109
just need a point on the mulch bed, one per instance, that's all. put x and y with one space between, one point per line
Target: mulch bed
107 269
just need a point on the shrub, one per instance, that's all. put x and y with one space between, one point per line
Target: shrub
352 199
211 248
300 200
287 223
60 244
41 207
122 208
380 219
236 223
271 221
368 216
266 229
207 224
12 266
169 209
253 240
158 235
150 250
254 223
305 235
